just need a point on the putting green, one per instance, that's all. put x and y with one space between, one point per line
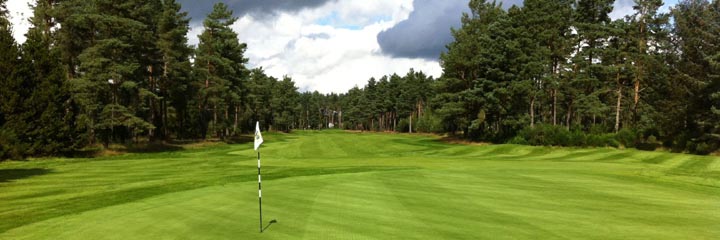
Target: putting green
339 185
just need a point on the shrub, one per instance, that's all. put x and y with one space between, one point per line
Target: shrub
403 125
519 140
548 135
648 145
702 148
626 137
577 138
10 147
429 123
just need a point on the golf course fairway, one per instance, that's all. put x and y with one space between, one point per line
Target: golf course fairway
342 185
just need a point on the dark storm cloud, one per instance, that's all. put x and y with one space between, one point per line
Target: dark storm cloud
256 8
427 30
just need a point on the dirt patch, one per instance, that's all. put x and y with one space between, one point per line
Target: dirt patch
456 140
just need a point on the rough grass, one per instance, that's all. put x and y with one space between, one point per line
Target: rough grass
339 185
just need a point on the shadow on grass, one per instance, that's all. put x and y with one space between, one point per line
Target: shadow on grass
114 150
240 139
7 175
268 226
153 148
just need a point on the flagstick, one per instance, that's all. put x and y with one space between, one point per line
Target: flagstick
260 193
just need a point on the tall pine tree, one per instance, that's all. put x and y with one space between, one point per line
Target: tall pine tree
219 65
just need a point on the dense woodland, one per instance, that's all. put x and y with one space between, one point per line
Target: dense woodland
552 72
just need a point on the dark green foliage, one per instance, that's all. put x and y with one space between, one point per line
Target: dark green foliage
220 69
549 135
10 87
48 123
627 137
33 118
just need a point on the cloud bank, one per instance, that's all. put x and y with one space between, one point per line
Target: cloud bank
426 32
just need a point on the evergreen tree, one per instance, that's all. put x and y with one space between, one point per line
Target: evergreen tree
592 21
618 66
174 82
697 26
647 30
551 23
45 110
219 64
112 90
11 90
284 97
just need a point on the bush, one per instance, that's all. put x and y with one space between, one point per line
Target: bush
429 123
648 145
403 125
548 135
627 137
10 147
577 138
703 146
518 140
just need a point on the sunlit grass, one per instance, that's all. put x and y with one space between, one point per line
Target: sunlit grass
338 185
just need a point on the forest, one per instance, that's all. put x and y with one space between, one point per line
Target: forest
550 72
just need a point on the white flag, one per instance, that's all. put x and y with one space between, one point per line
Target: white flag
258 136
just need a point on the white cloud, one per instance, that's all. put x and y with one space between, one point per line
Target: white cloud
624 8
20 12
331 48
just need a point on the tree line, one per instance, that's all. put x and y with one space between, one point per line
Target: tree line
568 65
562 72
97 72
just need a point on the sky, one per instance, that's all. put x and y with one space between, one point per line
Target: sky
333 45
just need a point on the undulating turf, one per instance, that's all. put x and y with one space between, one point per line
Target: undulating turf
339 185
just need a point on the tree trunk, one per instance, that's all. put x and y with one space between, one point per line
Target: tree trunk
636 97
569 115
151 102
411 115
532 112
618 105
227 117
215 117
164 120
638 77
554 93
235 123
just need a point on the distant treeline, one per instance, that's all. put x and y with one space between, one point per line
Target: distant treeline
555 72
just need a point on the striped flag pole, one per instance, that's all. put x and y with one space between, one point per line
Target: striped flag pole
260 193
258 142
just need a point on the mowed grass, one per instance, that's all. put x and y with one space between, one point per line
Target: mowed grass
339 185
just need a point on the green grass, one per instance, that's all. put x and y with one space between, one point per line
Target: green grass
338 185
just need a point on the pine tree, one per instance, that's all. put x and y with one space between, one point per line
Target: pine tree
110 87
220 65
174 83
549 24
282 104
592 21
647 30
45 107
11 90
617 65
